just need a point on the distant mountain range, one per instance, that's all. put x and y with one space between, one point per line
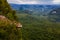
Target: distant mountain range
32 7
50 12
36 9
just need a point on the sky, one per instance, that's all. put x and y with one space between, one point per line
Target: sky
34 1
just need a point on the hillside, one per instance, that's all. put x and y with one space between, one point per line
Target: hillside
38 28
8 22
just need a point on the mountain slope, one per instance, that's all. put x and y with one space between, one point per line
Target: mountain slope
8 30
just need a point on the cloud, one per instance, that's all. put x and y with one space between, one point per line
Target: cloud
56 1
28 2
14 1
34 1
23 1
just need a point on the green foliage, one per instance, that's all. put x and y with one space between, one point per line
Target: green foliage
8 30
38 29
6 10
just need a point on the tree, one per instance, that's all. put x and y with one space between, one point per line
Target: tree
8 29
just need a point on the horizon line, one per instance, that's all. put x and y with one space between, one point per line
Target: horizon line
35 4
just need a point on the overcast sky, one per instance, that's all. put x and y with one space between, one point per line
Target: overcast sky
34 1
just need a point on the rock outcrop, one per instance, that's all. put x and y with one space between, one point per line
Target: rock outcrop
6 21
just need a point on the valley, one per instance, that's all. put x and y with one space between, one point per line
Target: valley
37 24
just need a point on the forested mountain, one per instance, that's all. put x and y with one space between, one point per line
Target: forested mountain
8 29
34 9
37 26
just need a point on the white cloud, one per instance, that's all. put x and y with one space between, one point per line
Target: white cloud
14 1
34 1
22 2
56 1
29 2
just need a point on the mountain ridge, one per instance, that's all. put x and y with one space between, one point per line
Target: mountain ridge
34 9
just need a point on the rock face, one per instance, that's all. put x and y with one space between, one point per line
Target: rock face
18 25
54 15
4 19
6 13
55 12
8 29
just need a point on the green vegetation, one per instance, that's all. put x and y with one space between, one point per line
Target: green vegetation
35 28
8 30
6 10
